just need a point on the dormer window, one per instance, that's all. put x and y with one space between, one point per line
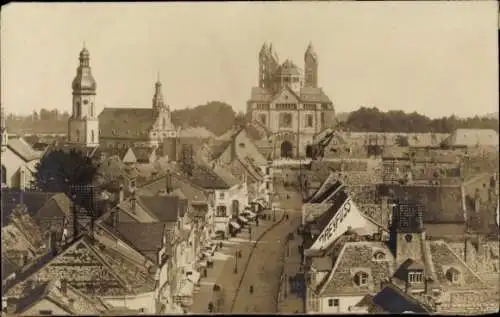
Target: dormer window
379 256
415 277
361 278
453 275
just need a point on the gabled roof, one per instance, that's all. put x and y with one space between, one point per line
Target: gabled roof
126 123
143 154
164 208
118 265
204 177
226 176
33 200
147 238
353 258
52 291
444 204
23 150
310 94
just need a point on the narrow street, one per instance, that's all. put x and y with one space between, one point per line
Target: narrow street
266 264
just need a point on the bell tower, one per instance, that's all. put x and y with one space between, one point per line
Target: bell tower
408 234
311 67
83 125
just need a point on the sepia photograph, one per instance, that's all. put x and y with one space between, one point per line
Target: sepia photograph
286 157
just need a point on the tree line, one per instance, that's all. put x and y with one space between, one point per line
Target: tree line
373 120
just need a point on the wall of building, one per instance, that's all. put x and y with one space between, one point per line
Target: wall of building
145 302
345 302
13 165
45 306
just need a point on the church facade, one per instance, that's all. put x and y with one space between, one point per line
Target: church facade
115 127
289 104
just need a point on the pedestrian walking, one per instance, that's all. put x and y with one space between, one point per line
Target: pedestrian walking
210 307
251 289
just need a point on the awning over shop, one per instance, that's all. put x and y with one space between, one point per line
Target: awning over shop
193 277
235 224
242 219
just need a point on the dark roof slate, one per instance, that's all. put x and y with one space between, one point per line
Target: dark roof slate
127 123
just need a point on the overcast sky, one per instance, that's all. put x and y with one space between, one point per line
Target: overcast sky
437 58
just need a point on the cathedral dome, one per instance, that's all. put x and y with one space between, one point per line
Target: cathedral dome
288 68
84 81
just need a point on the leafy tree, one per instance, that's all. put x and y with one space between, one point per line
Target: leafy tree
215 116
58 170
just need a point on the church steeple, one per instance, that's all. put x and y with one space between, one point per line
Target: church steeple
311 67
158 101
83 123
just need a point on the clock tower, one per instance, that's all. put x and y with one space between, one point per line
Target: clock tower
83 125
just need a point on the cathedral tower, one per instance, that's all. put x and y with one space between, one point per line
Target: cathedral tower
158 101
83 126
263 66
311 67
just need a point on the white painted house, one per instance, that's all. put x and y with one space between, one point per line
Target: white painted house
19 162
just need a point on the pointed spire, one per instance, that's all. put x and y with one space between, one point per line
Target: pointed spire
264 49
310 51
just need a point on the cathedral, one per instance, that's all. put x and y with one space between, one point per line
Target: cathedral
115 127
289 104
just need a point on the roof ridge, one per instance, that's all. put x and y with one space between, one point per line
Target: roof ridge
335 266
442 242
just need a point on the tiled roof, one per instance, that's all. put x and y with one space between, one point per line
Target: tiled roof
260 95
58 205
226 176
325 192
394 301
136 278
218 148
128 123
309 94
80 303
23 149
444 258
358 257
473 137
196 132
115 151
206 178
143 154
147 238
443 204
164 208
32 200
